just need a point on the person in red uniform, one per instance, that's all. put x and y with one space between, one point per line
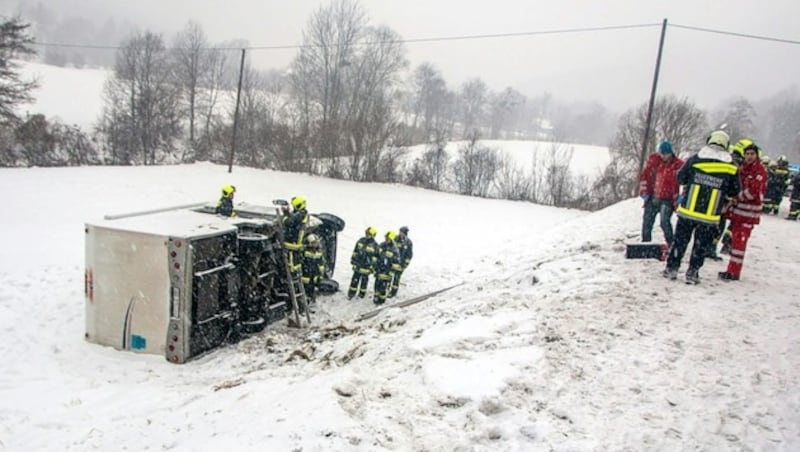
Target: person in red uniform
658 188
745 210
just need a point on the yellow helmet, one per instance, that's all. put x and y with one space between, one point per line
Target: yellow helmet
228 191
720 138
391 235
299 203
371 231
741 145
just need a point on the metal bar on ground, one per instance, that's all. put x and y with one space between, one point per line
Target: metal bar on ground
404 303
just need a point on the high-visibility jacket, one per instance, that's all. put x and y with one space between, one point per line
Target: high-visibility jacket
365 255
710 178
748 204
295 230
225 207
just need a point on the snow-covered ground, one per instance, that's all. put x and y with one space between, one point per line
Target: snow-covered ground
554 342
75 96
583 159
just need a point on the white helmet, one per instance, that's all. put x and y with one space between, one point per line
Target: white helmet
720 138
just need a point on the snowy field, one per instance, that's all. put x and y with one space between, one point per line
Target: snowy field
554 342
75 96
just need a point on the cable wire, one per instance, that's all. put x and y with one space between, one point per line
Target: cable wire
731 33
398 41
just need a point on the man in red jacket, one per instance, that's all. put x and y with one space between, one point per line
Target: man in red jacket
658 188
745 211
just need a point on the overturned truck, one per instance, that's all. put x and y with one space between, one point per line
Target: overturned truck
180 282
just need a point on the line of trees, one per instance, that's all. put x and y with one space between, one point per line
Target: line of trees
349 107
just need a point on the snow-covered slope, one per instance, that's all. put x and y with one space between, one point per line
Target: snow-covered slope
555 341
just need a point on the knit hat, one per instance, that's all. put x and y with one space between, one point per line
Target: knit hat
665 147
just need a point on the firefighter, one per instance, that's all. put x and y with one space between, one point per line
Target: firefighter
363 260
294 232
313 266
745 211
794 208
388 256
708 178
778 181
406 250
225 203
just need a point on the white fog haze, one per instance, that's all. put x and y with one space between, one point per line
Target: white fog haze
612 67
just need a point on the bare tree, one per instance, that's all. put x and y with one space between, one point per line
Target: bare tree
216 79
15 41
140 116
472 104
504 109
558 178
318 74
784 132
430 100
430 170
511 182
475 168
674 119
193 64
373 87
738 117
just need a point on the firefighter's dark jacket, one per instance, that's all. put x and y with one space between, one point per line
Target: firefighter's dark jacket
365 255
225 207
295 226
710 179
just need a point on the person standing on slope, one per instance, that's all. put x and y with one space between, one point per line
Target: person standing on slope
708 177
658 188
745 211
363 260
406 248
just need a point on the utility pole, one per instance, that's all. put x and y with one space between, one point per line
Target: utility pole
236 114
647 125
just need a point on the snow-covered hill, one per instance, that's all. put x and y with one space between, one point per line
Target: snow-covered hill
554 342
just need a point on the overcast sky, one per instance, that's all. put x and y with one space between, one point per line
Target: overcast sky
613 67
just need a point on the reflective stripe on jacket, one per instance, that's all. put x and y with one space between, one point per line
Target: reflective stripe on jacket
710 178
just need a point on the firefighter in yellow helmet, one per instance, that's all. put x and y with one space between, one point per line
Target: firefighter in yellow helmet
294 233
709 178
225 203
406 248
363 260
313 266
388 256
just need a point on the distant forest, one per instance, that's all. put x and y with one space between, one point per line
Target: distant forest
349 106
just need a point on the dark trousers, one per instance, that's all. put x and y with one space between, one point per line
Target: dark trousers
395 286
358 283
382 282
703 236
794 209
663 208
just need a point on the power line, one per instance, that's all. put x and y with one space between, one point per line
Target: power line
731 33
398 41
463 38
483 36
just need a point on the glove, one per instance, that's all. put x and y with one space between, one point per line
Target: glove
681 200
645 198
